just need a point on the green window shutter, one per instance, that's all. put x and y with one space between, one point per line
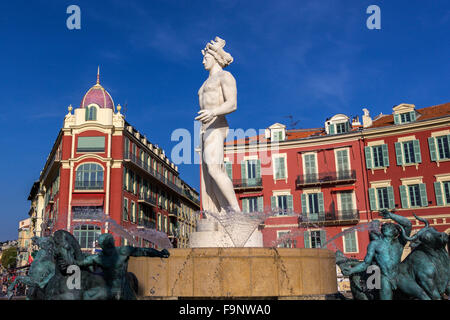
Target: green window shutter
306 239
260 204
417 155
438 192
384 147
290 202
229 169
403 196
396 119
323 238
423 195
243 170
245 205
321 202
391 197
282 168
258 168
413 116
432 146
332 129
273 203
372 199
86 114
368 153
398 153
304 206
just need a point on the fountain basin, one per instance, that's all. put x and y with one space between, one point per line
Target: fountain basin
237 272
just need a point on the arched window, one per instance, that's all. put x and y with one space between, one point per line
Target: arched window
89 176
91 113
87 235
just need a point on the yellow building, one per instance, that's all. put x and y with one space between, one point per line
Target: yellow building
24 242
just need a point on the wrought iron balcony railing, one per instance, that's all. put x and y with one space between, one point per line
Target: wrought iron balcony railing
149 200
247 183
337 217
157 175
88 185
326 178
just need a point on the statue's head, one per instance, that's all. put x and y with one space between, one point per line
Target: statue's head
390 230
214 53
106 241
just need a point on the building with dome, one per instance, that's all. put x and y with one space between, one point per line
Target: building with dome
100 163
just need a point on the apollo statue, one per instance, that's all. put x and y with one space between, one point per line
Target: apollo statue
217 98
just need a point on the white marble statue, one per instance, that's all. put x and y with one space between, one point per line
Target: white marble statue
217 98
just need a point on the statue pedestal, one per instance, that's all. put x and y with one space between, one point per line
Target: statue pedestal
210 234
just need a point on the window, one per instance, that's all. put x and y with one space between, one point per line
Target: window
280 168
439 147
277 135
343 167
283 203
125 209
443 147
315 238
285 242
251 171
91 144
89 176
346 203
404 117
91 113
342 127
133 212
350 243
408 152
310 168
381 198
252 204
377 156
86 235
413 195
447 191
229 169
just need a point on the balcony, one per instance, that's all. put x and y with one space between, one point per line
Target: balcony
89 185
325 178
147 169
143 198
246 184
330 218
173 213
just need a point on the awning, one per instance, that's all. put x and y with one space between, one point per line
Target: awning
343 188
248 195
87 202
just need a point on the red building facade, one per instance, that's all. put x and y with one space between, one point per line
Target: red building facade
100 163
318 174
340 176
408 164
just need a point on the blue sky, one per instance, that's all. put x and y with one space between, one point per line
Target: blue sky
305 59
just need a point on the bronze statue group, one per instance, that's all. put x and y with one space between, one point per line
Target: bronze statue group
424 274
103 276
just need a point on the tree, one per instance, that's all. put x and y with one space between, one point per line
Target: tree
9 257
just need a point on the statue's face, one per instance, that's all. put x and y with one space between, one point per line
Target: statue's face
208 61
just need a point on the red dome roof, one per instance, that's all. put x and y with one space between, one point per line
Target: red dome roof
98 95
